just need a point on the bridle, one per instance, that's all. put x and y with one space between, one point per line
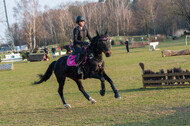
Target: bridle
104 39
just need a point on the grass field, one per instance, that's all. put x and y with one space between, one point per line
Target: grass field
24 104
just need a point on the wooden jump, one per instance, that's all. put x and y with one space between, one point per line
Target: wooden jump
156 80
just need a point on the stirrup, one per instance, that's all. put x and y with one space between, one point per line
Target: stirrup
80 62
79 71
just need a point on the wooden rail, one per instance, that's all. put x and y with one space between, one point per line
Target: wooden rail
166 79
36 57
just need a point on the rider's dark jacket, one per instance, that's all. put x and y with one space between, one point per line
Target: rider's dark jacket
79 36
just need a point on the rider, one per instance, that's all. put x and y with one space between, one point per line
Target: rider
80 33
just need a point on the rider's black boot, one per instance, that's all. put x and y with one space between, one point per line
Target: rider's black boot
79 64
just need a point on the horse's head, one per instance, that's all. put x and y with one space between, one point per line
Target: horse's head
102 43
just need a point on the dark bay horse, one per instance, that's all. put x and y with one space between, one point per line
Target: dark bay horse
93 68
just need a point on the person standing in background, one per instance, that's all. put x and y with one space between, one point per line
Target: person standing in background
46 50
53 52
127 44
70 41
46 53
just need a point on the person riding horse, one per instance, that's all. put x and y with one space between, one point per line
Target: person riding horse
80 33
93 68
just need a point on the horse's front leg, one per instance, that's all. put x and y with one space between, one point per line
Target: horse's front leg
81 88
117 95
101 78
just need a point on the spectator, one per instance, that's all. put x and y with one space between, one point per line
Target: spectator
46 50
127 44
46 58
53 52
70 41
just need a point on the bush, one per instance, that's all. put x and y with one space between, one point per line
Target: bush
160 38
179 33
24 54
117 43
186 33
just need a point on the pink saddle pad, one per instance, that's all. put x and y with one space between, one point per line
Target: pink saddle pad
71 60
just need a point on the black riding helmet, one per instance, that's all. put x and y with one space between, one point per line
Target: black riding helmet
79 18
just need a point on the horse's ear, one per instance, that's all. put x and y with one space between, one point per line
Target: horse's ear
106 32
97 33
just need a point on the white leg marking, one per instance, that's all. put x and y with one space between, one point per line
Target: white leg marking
67 106
92 100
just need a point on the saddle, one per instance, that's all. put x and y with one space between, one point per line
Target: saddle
71 61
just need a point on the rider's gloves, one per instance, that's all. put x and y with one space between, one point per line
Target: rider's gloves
85 43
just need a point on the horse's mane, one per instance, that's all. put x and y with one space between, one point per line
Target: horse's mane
94 39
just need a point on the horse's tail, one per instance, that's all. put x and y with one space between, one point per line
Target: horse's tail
47 74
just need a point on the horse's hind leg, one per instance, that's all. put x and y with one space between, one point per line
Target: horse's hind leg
61 81
117 95
81 88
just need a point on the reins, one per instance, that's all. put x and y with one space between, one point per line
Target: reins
94 44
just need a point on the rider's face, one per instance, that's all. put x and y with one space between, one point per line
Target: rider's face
81 23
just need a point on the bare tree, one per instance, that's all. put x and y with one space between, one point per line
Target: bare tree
65 23
126 18
22 11
48 23
146 15
119 17
35 6
88 10
27 17
41 33
182 8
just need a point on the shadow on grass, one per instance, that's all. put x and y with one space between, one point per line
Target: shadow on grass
37 111
151 89
180 117
131 51
128 90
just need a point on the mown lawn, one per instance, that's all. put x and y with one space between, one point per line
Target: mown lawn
22 103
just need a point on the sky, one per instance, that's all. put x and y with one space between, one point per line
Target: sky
12 3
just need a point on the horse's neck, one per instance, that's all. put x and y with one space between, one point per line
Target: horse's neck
97 54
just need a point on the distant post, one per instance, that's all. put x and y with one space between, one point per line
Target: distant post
148 42
186 38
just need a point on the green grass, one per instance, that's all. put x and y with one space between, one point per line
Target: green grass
24 104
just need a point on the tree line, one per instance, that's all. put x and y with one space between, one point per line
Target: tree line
120 17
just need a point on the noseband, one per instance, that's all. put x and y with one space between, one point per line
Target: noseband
105 39
108 51
96 44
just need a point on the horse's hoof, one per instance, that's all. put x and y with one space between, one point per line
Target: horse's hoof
67 106
92 100
102 92
117 96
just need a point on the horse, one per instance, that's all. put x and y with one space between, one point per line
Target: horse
92 68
